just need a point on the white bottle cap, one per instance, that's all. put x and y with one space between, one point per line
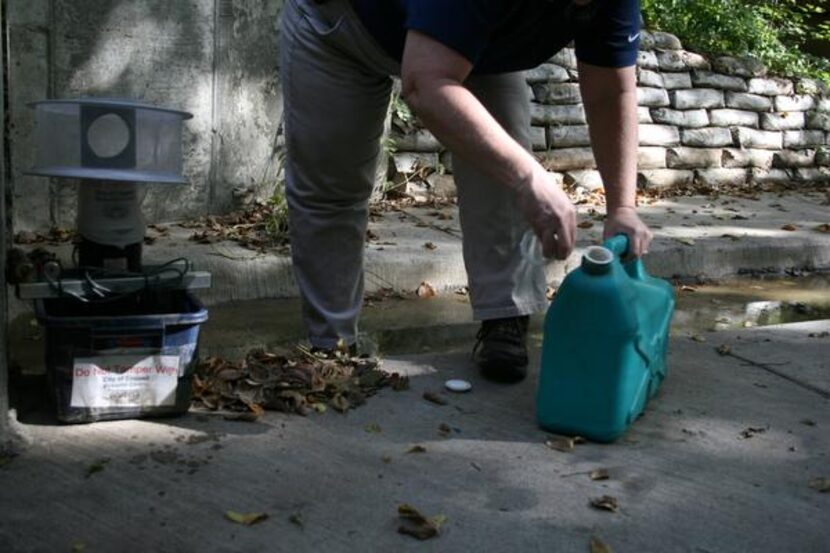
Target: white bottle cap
458 386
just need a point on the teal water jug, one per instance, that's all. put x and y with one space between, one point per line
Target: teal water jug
604 346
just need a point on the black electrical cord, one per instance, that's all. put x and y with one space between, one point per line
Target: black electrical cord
154 280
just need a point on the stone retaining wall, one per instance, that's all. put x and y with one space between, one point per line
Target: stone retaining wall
712 122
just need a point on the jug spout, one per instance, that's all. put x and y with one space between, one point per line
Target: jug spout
597 260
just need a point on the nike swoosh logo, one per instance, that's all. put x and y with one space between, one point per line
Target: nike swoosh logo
632 38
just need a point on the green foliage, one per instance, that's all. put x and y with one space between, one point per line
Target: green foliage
401 114
276 218
773 31
276 224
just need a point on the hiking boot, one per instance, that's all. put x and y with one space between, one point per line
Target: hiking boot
501 349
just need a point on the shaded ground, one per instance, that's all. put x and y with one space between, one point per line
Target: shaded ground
721 462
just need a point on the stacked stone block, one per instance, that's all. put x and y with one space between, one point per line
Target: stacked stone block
712 122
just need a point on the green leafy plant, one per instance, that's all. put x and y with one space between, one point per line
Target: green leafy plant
774 31
276 223
402 116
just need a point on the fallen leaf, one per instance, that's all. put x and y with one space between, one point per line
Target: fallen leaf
417 525
229 374
600 474
561 444
78 547
698 338
723 349
585 224
752 431
606 503
748 324
823 227
247 416
789 227
808 422
686 241
426 290
96 467
820 484
444 429
319 407
247 519
340 403
372 428
430 246
417 449
386 459
688 289
598 546
399 382
475 466
432 397
297 520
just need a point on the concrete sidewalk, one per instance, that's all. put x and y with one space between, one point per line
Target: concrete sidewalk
721 462
694 236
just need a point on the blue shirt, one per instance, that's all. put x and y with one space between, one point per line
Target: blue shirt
499 36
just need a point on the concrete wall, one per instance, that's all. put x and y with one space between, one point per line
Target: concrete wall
711 122
215 58
4 350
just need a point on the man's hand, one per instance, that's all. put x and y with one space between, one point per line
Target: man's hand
624 220
550 212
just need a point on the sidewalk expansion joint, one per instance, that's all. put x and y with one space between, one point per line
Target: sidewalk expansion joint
806 385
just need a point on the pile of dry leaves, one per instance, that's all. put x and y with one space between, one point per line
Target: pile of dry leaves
300 382
260 227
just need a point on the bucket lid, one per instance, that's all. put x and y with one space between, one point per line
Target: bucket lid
122 175
113 103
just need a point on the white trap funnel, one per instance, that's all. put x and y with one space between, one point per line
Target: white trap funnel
113 146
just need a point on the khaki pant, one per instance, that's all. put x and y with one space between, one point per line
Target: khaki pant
336 87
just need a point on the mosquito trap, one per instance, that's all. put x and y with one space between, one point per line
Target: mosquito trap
121 336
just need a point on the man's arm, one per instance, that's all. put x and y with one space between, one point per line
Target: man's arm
433 77
610 99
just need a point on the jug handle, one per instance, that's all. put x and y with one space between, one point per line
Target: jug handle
619 245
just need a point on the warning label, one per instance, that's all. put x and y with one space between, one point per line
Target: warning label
125 381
